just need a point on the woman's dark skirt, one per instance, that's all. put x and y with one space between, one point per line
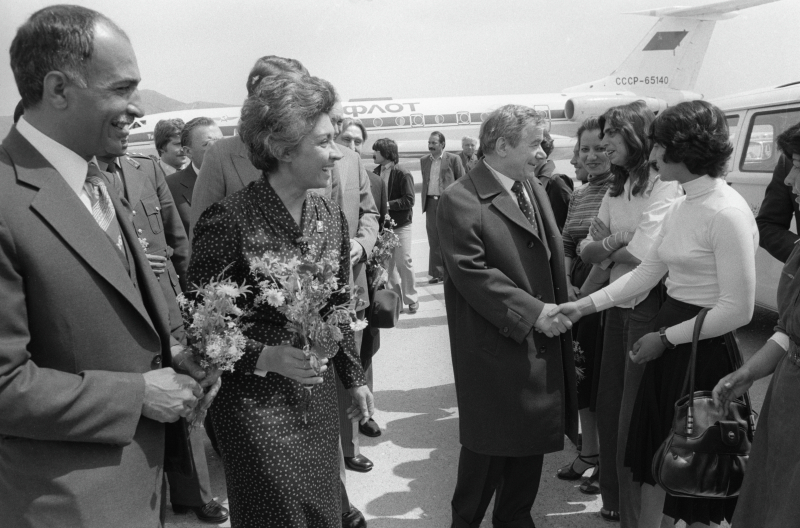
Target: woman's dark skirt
655 408
588 333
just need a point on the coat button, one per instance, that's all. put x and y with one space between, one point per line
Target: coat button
158 208
543 349
505 329
134 213
139 231
156 363
530 244
538 296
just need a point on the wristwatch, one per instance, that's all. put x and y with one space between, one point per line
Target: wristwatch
662 333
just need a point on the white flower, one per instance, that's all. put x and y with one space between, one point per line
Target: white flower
275 298
358 324
228 290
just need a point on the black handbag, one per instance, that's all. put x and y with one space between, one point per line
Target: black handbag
706 452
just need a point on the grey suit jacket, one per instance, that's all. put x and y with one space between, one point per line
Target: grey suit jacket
226 169
77 332
181 187
515 387
451 169
350 178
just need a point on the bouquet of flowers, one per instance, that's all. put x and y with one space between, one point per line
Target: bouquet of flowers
301 288
214 327
384 249
579 358
214 324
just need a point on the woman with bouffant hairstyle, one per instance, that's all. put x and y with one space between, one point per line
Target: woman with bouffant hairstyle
706 248
279 442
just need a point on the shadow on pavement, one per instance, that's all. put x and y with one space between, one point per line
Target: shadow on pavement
432 478
421 322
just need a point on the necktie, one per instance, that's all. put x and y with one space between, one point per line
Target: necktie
524 205
102 208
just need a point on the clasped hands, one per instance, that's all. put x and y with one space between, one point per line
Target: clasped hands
188 392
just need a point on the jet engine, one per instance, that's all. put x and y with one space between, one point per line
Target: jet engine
580 107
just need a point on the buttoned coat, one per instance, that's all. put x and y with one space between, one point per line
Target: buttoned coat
515 387
181 187
76 333
450 170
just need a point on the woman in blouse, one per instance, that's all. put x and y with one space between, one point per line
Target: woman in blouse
592 160
703 233
621 235
768 498
278 441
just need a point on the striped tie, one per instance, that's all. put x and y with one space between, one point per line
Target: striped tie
102 208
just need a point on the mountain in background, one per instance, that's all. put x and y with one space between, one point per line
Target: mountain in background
152 103
155 103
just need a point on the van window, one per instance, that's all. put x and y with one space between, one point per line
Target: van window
761 154
733 133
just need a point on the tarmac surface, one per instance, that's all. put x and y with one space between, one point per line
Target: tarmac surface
416 457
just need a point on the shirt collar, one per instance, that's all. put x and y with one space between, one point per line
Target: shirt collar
195 167
388 167
68 163
504 180
440 157
104 166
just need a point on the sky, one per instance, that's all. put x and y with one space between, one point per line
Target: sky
202 50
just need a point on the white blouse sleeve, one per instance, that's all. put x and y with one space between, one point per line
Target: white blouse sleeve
733 238
640 280
661 199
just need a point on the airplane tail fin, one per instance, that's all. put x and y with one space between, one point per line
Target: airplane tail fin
671 54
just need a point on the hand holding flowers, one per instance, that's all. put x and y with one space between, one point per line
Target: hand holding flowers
381 253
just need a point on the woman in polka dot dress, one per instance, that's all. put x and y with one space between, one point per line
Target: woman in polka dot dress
278 445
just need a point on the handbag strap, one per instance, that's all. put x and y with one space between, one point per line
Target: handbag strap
691 369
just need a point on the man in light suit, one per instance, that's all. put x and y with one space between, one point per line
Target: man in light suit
439 170
85 382
350 185
197 136
505 270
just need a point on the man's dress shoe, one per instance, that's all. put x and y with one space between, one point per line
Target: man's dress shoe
353 519
213 512
370 429
358 463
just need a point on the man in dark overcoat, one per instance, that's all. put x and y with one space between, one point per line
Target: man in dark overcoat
514 375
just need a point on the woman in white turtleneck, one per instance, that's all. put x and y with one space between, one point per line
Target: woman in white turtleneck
707 244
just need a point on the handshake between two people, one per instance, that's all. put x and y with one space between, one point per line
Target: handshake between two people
557 319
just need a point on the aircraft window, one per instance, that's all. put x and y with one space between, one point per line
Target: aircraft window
761 154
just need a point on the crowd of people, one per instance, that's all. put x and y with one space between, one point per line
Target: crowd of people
565 305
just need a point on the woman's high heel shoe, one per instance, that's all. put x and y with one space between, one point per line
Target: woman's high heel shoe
568 472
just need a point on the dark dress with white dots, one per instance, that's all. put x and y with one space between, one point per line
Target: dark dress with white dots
281 466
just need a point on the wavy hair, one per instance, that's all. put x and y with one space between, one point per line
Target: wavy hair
280 113
271 65
56 38
632 121
789 141
508 122
165 130
387 148
186 133
347 122
695 133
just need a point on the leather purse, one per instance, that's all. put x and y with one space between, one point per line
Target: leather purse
384 309
706 452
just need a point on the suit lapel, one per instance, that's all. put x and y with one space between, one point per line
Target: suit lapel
487 186
187 182
61 208
550 228
242 166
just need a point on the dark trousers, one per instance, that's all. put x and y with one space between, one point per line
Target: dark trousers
514 481
195 490
616 394
435 264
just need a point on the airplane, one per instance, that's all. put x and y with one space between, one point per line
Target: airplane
662 71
